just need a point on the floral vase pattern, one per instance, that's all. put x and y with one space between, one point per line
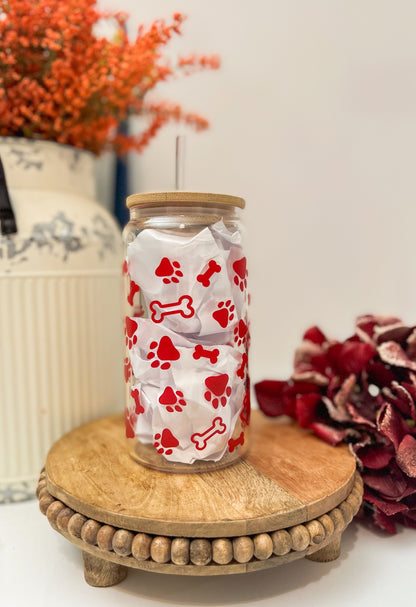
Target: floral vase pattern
60 307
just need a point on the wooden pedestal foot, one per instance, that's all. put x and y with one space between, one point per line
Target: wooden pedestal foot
329 553
98 572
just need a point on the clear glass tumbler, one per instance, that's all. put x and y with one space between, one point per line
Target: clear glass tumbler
186 328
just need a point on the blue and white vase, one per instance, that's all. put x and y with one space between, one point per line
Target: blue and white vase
60 307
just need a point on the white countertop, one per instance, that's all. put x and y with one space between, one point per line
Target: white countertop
40 567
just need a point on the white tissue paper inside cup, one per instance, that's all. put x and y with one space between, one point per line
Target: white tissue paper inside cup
187 356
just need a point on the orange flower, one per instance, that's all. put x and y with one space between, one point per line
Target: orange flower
61 82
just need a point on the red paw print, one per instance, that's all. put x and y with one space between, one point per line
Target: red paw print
169 270
173 400
224 314
130 330
127 369
163 351
165 442
218 390
240 333
136 397
240 269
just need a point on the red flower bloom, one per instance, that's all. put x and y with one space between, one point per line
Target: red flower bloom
362 392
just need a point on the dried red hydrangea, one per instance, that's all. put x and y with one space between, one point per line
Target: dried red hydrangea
362 392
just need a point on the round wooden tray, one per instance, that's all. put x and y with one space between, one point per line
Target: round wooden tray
291 496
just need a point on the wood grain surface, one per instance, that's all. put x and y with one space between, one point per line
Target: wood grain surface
305 466
287 477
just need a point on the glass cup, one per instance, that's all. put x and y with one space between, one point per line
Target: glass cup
186 328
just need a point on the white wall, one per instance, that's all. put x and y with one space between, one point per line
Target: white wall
313 119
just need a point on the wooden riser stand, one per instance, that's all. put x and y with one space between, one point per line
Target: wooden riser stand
291 497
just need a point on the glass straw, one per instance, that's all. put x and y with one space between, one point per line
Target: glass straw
180 162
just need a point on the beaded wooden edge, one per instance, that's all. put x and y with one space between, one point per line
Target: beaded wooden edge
108 551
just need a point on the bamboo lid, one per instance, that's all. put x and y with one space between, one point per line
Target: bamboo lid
185 198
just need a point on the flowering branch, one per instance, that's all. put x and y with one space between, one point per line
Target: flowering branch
60 81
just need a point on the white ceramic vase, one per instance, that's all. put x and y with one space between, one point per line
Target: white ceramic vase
60 307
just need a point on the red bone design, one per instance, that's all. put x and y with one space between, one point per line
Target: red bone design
242 368
136 397
200 440
213 268
200 352
133 290
183 307
234 442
